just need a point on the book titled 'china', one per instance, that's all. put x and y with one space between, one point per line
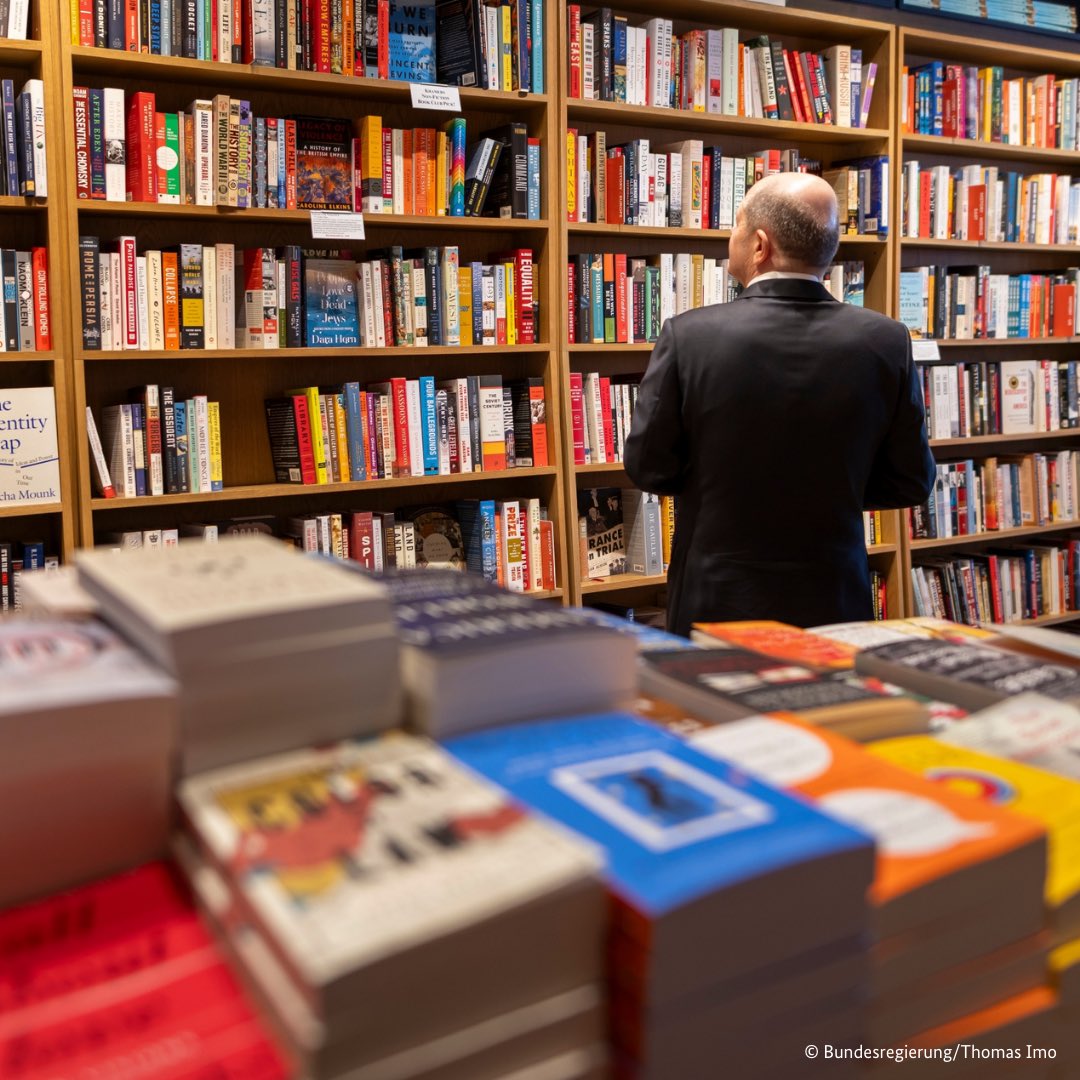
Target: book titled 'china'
412 42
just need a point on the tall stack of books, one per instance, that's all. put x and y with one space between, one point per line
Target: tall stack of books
399 916
88 736
271 650
119 978
936 955
738 912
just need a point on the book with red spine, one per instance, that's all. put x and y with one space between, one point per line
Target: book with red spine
290 164
141 148
524 293
605 409
129 286
80 100
571 304
39 258
620 299
577 416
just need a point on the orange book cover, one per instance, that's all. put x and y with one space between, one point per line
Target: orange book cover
170 295
782 641
407 169
923 831
420 171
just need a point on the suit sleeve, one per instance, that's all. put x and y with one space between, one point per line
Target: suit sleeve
903 472
655 450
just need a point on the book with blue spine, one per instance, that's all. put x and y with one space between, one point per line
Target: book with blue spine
354 427
429 426
691 843
412 41
11 156
536 61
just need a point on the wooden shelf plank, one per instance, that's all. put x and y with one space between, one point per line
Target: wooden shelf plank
17 51
342 353
278 80
15 204
600 467
279 491
882 549
27 357
989 245
1039 342
18 510
992 537
622 581
615 112
978 148
372 222
613 347
992 440
922 42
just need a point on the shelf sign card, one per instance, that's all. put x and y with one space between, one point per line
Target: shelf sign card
925 349
435 96
336 225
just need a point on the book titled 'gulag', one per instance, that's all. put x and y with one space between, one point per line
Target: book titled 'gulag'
717 881
393 898
473 654
85 773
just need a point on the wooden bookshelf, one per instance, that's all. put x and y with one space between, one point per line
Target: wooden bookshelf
916 46
28 222
618 582
240 379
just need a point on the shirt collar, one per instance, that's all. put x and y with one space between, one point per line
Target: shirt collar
779 275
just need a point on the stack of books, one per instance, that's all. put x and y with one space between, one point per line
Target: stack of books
271 650
89 730
398 916
738 912
119 978
937 954
473 655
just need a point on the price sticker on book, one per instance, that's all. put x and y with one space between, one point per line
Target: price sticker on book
435 96
336 225
925 349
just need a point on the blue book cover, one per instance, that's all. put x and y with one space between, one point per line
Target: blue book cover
536 61
533 161
183 456
282 169
10 151
331 312
488 541
33 555
412 41
138 427
675 824
429 425
155 27
354 428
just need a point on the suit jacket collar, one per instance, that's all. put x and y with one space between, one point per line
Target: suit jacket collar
787 289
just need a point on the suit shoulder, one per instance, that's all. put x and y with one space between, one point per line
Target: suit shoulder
873 322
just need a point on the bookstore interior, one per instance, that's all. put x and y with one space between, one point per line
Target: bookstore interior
562 842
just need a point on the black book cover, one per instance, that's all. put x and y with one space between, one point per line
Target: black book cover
458 61
168 440
91 297
294 297
523 442
509 194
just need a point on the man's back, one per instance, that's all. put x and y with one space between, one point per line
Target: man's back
777 419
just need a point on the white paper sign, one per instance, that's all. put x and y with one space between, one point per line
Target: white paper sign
336 225
925 349
435 96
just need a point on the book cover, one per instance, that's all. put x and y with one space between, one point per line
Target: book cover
29 459
323 163
439 541
601 509
331 311
412 41
782 642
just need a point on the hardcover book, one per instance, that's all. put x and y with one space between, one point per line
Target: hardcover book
601 523
780 641
323 163
439 543
29 459
331 310
412 41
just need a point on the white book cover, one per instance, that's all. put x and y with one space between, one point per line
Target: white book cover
36 89
202 114
535 561
155 301
416 427
18 20
1019 379
379 304
351 902
730 79
202 441
29 456
464 426
226 295
142 302
115 135
211 337
102 476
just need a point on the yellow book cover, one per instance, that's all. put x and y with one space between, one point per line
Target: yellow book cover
341 427
667 527
505 39
511 305
213 419
465 311
1053 801
697 296
442 170
371 164
318 446
571 175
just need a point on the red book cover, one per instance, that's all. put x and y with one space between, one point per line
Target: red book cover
81 105
131 299
290 164
39 261
577 417
926 181
525 296
141 156
950 102
547 554
400 403
798 64
1064 324
214 36
817 71
538 423
308 473
620 299
976 222
962 493
320 14
605 408
86 22
574 39
362 539
614 191
793 88
571 305
131 27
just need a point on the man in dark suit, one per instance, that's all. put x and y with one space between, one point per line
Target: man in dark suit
777 419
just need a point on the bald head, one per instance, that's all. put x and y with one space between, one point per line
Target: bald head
797 211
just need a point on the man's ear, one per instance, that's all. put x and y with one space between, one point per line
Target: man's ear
762 246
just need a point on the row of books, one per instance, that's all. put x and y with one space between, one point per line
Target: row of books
624 531
217 152
874 527
974 497
1053 16
712 71
213 297
22 130
983 202
963 101
19 558
497 46
968 302
407 427
879 595
25 325
601 410
156 444
1006 585
1011 397
15 22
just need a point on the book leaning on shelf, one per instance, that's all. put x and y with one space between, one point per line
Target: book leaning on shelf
22 128
713 71
25 324
498 47
386 945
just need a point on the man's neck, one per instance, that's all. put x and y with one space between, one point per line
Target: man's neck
778 275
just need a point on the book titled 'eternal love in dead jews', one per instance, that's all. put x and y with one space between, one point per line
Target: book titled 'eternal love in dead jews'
403 897
85 772
474 654
120 972
724 684
272 649
714 876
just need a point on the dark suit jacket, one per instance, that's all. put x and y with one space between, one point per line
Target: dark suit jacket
777 419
